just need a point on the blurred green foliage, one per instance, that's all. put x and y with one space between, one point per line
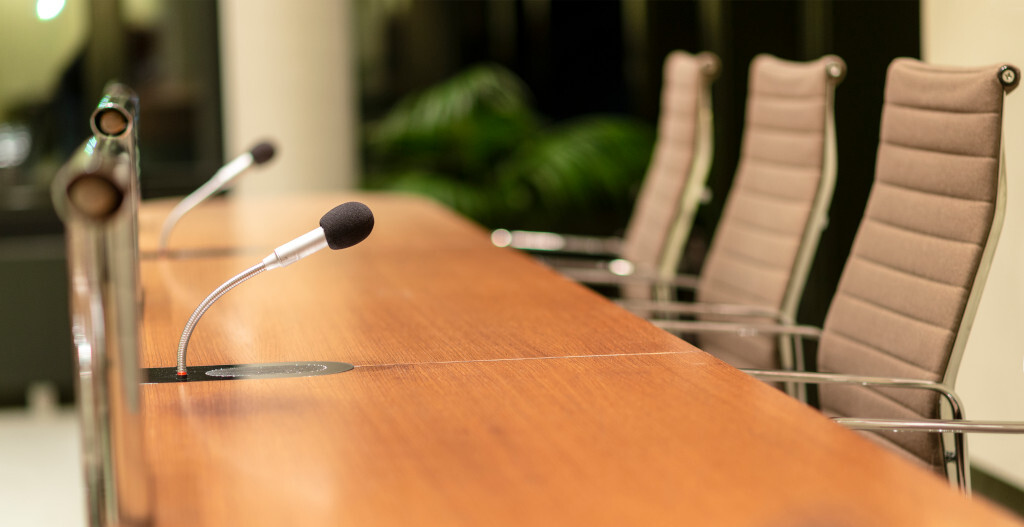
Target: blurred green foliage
475 143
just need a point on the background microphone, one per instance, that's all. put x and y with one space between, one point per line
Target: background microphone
343 226
259 154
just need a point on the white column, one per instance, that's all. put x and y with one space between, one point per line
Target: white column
288 74
991 380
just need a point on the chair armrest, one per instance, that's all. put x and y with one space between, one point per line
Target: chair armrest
620 272
698 308
956 425
553 242
864 380
740 328
933 425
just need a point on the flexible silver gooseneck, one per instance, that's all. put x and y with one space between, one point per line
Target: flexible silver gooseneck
185 205
190 326
343 226
259 154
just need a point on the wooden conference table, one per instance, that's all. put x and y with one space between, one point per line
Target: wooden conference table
488 390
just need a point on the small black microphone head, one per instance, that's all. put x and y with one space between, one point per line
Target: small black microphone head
347 224
262 152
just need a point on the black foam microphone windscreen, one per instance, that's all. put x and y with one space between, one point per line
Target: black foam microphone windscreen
347 224
262 152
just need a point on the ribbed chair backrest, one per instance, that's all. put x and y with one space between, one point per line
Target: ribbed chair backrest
909 290
776 209
678 171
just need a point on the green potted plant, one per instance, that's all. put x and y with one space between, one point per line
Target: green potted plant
475 143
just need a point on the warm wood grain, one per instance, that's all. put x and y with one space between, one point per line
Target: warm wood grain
402 295
256 225
489 391
369 306
643 440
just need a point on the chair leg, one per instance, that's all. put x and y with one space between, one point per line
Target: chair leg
963 473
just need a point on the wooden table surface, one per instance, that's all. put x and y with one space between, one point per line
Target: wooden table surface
488 390
257 225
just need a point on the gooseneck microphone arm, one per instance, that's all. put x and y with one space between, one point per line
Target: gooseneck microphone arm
343 226
186 334
258 155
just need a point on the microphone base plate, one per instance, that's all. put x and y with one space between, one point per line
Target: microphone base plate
235 372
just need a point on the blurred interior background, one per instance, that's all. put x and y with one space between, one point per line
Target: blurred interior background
532 114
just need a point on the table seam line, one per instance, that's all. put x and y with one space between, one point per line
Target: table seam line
512 359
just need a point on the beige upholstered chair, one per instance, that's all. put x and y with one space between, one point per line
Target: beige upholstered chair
672 187
760 255
900 319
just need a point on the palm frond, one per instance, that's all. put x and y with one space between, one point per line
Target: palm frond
474 143
580 169
487 89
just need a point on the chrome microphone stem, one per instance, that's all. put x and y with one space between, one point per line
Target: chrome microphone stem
190 326
223 176
296 249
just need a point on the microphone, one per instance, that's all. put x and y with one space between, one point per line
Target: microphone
259 154
342 227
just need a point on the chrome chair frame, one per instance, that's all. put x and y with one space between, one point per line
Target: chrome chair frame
957 425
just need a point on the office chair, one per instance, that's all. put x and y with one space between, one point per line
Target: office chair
907 297
762 250
668 199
